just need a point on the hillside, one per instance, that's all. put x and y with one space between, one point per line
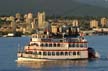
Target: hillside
52 7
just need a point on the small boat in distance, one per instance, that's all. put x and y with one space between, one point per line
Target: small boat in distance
65 45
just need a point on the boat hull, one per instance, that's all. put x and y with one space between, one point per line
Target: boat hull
31 59
23 59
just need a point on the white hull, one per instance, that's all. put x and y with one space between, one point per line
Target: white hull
22 59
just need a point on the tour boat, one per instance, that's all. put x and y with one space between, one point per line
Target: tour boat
48 46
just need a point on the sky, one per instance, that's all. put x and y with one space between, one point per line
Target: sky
101 3
54 6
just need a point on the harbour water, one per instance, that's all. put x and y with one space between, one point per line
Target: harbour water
8 55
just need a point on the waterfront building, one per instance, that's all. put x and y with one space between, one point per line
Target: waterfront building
33 25
11 18
13 26
18 16
93 24
54 28
103 21
41 19
25 16
30 16
75 23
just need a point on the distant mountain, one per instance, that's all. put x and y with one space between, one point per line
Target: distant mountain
101 3
51 7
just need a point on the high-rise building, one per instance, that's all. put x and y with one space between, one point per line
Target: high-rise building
13 26
93 24
41 19
25 16
103 21
33 24
12 18
18 15
75 23
30 16
54 28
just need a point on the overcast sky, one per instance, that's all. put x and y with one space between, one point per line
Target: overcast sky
102 3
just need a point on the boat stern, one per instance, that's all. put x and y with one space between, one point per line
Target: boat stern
92 54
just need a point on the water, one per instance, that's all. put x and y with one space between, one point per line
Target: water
8 50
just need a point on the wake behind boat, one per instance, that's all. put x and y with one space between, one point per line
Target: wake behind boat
66 44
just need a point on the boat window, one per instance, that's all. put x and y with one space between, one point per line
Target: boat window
58 45
70 53
35 44
35 36
81 44
85 44
66 53
73 45
61 40
78 53
39 53
46 44
35 53
44 53
61 53
77 44
50 45
69 45
53 53
29 52
74 53
41 45
54 44
49 53
57 53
